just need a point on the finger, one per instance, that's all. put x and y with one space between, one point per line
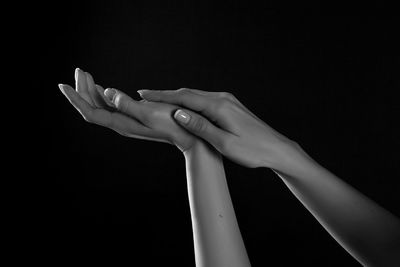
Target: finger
90 114
100 90
220 94
201 127
97 99
182 97
226 95
81 85
80 104
116 121
125 104
201 92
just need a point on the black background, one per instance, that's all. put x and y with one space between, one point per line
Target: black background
326 81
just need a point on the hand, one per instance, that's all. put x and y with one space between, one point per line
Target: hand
226 124
115 110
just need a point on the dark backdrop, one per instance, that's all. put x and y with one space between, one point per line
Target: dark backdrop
328 82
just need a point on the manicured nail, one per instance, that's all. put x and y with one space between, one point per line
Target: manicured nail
182 116
76 73
110 93
62 86
142 91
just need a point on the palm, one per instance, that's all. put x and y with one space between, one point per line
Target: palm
154 123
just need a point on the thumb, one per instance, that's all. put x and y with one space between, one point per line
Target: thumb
122 102
201 127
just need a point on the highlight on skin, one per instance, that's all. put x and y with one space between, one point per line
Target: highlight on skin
217 124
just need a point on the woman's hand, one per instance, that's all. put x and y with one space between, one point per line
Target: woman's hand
137 119
226 124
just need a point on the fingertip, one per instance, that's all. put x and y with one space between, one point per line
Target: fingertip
182 116
142 92
110 93
63 87
77 72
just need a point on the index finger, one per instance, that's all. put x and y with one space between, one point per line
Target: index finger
182 97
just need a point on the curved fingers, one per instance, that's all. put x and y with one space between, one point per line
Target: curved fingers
225 95
112 120
80 104
182 97
100 91
129 106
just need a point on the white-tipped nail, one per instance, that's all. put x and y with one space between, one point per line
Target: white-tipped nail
182 116
110 93
142 91
76 72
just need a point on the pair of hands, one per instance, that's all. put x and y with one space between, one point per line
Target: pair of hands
182 117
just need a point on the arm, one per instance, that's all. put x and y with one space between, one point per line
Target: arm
367 231
216 234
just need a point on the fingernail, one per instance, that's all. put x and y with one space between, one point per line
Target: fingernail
61 86
110 93
142 91
76 72
182 116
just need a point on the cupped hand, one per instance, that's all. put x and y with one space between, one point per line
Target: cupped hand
224 122
113 109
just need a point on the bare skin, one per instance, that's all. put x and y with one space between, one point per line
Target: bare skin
136 119
217 238
367 231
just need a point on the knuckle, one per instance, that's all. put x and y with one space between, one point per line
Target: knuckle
227 95
222 106
182 90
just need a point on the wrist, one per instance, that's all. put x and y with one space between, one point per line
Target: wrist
200 147
292 160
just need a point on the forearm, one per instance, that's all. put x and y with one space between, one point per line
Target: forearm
367 231
217 238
